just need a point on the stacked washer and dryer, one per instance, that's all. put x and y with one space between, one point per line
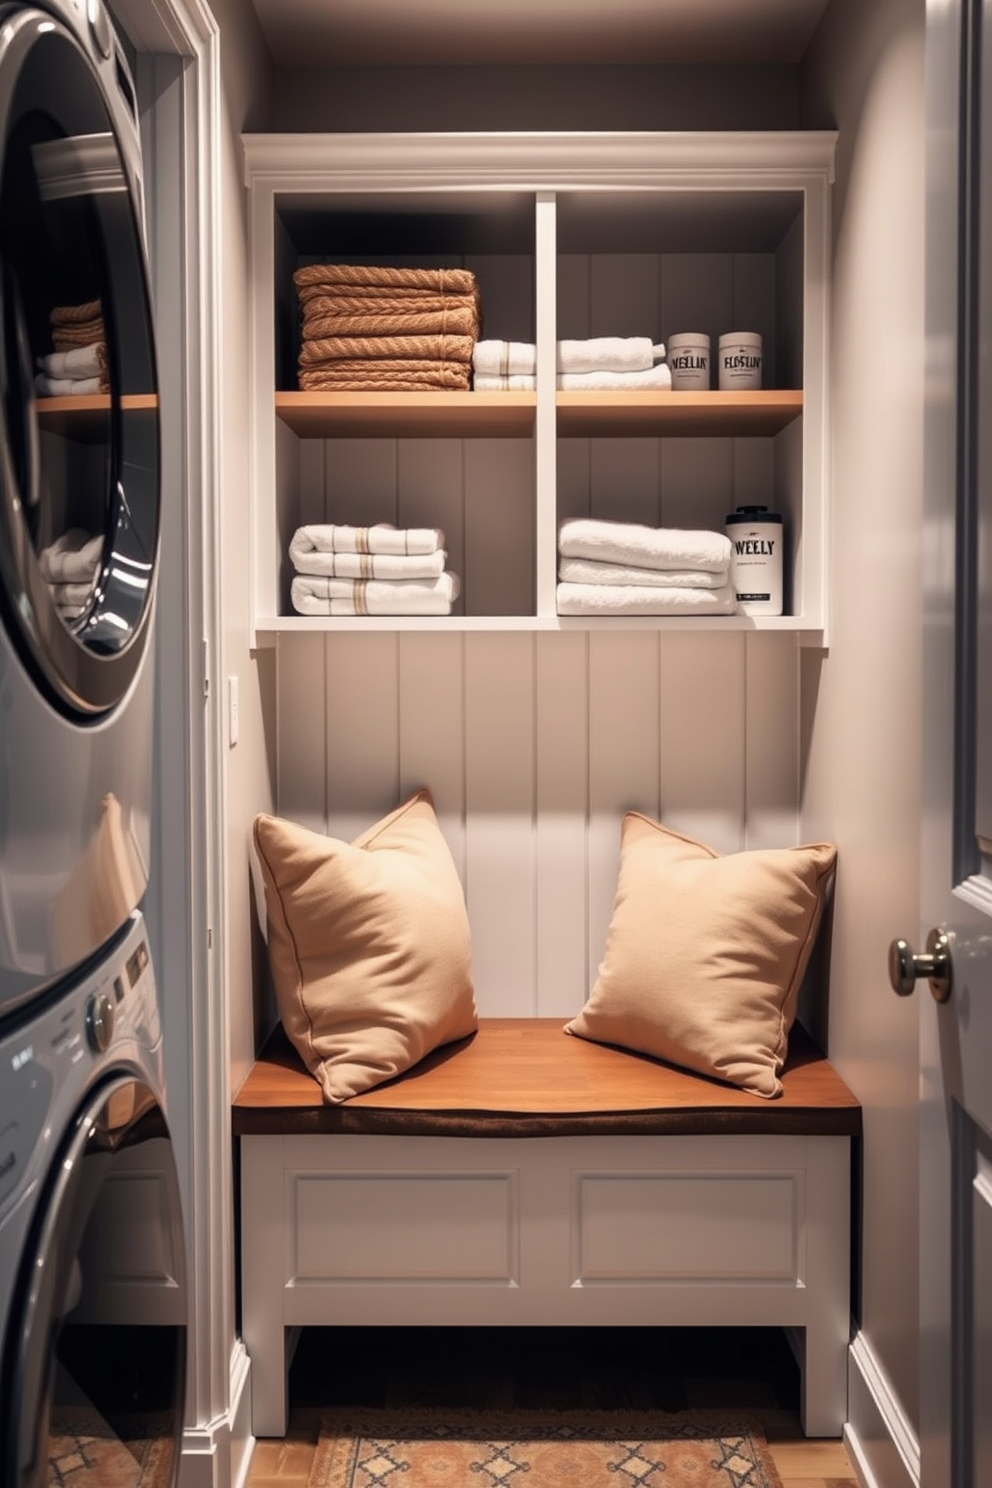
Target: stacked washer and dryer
93 1297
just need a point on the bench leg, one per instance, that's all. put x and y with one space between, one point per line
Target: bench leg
263 1267
828 1283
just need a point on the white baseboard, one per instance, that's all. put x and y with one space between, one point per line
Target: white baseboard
218 1454
880 1441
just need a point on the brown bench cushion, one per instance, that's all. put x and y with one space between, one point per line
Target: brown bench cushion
525 1077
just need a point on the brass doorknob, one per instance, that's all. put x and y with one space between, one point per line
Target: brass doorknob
906 966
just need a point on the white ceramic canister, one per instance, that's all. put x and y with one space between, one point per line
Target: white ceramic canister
756 559
739 361
689 361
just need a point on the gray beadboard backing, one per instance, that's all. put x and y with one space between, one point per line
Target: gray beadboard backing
534 746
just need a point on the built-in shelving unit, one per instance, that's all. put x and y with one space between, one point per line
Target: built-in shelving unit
569 236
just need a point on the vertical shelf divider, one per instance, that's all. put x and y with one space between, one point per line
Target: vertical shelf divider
546 417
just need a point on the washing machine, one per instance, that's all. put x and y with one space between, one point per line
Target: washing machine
79 497
93 1302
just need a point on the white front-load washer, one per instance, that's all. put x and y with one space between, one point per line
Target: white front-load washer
93 1291
79 496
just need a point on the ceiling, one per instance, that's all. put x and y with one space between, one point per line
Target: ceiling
471 32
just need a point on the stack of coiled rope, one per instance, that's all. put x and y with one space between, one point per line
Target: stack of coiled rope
373 328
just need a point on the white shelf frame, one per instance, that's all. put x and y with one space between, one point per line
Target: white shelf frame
543 164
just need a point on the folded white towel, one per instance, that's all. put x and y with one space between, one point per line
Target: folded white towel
65 387
73 558
588 571
504 358
620 599
512 382
317 596
610 354
77 362
659 376
330 537
70 596
369 565
594 354
644 547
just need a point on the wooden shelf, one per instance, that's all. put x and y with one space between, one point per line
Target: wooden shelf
704 414
466 415
437 415
84 418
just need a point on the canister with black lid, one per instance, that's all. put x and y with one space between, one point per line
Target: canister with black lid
756 559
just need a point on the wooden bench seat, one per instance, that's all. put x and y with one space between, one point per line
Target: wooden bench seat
643 1195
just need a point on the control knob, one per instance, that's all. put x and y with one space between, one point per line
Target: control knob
99 1021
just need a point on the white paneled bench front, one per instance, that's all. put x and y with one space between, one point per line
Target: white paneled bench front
523 1177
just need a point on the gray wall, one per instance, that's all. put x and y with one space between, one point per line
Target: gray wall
574 97
865 75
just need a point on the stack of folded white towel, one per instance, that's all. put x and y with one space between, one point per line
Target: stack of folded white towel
378 570
622 568
78 363
70 566
600 362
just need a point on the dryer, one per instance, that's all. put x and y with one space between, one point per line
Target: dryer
79 496
93 1292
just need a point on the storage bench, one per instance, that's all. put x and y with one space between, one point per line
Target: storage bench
524 1177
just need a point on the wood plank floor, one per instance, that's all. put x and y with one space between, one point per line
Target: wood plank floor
566 1368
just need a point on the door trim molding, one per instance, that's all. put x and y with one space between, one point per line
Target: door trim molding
194 928
879 1438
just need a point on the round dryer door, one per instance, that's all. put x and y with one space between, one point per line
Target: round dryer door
79 430
94 1360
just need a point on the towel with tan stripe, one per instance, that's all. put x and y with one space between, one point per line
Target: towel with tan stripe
312 595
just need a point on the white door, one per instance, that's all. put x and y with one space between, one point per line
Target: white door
956 892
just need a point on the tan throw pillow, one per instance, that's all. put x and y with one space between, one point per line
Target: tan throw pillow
368 943
705 954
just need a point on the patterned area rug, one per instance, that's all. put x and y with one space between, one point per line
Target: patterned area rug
84 1452
540 1449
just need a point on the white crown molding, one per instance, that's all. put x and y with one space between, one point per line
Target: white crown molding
535 161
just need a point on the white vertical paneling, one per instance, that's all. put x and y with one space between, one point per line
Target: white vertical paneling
506 292
574 467
310 487
624 757
624 477
499 557
431 721
624 295
754 307
702 737
753 473
301 744
771 746
360 481
562 732
574 296
431 493
697 294
362 759
499 829
697 482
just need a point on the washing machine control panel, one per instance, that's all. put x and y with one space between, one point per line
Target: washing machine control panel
26 1088
110 1017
